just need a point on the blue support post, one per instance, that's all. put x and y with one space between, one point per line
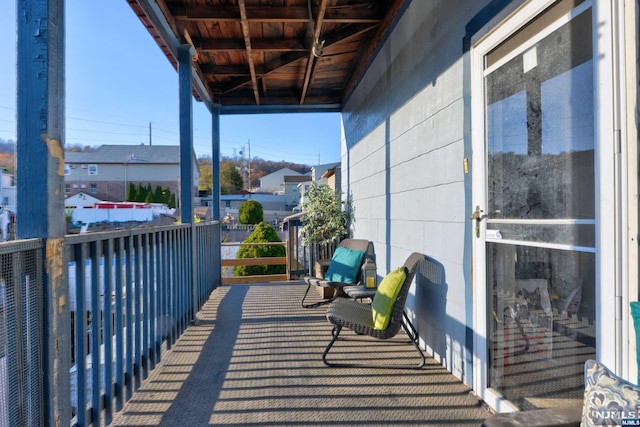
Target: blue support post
40 174
185 54
215 162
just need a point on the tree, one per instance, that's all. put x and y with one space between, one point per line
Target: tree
158 197
141 193
230 179
172 201
250 212
131 192
262 233
166 196
325 221
205 174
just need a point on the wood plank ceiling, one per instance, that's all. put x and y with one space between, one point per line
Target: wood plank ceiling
274 52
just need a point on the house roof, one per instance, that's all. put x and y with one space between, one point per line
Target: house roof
169 154
302 178
330 172
283 171
82 196
272 55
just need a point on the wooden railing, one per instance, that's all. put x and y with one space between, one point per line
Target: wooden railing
257 261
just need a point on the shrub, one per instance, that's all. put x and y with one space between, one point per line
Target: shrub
250 212
262 233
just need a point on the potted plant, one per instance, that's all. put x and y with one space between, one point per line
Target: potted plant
326 222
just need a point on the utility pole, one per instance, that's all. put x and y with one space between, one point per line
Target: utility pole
150 142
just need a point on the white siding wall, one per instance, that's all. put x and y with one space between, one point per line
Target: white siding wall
402 160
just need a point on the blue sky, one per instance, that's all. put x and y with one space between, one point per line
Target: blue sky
118 81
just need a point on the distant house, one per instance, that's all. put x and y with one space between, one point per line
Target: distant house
320 174
107 172
273 183
80 200
291 189
317 172
333 176
7 192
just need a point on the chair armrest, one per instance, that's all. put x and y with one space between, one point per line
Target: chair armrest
554 417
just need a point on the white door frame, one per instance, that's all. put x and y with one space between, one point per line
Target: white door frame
609 168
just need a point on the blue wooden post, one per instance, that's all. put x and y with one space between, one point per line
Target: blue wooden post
215 162
185 54
40 172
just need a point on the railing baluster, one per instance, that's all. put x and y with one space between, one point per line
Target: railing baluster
160 297
137 304
80 334
94 319
172 289
144 349
129 317
108 331
153 290
120 366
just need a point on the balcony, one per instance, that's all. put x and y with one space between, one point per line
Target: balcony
185 350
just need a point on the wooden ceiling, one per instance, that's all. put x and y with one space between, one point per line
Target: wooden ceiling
271 53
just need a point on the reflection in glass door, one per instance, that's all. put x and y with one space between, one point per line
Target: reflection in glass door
540 230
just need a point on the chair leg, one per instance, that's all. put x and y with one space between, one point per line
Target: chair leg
414 332
305 296
414 340
334 332
315 304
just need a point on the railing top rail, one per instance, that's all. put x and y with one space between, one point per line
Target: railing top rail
204 223
20 245
71 239
254 244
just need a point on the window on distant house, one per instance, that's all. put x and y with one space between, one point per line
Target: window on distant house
67 188
93 169
94 188
5 200
67 169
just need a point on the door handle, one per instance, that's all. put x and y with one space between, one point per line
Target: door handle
478 217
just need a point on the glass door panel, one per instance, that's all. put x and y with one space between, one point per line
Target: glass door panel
540 236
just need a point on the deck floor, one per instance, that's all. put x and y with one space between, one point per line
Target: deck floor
254 359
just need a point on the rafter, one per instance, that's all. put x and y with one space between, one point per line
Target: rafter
342 35
312 55
247 42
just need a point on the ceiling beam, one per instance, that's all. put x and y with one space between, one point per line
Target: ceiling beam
342 35
315 44
285 14
247 42
266 45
